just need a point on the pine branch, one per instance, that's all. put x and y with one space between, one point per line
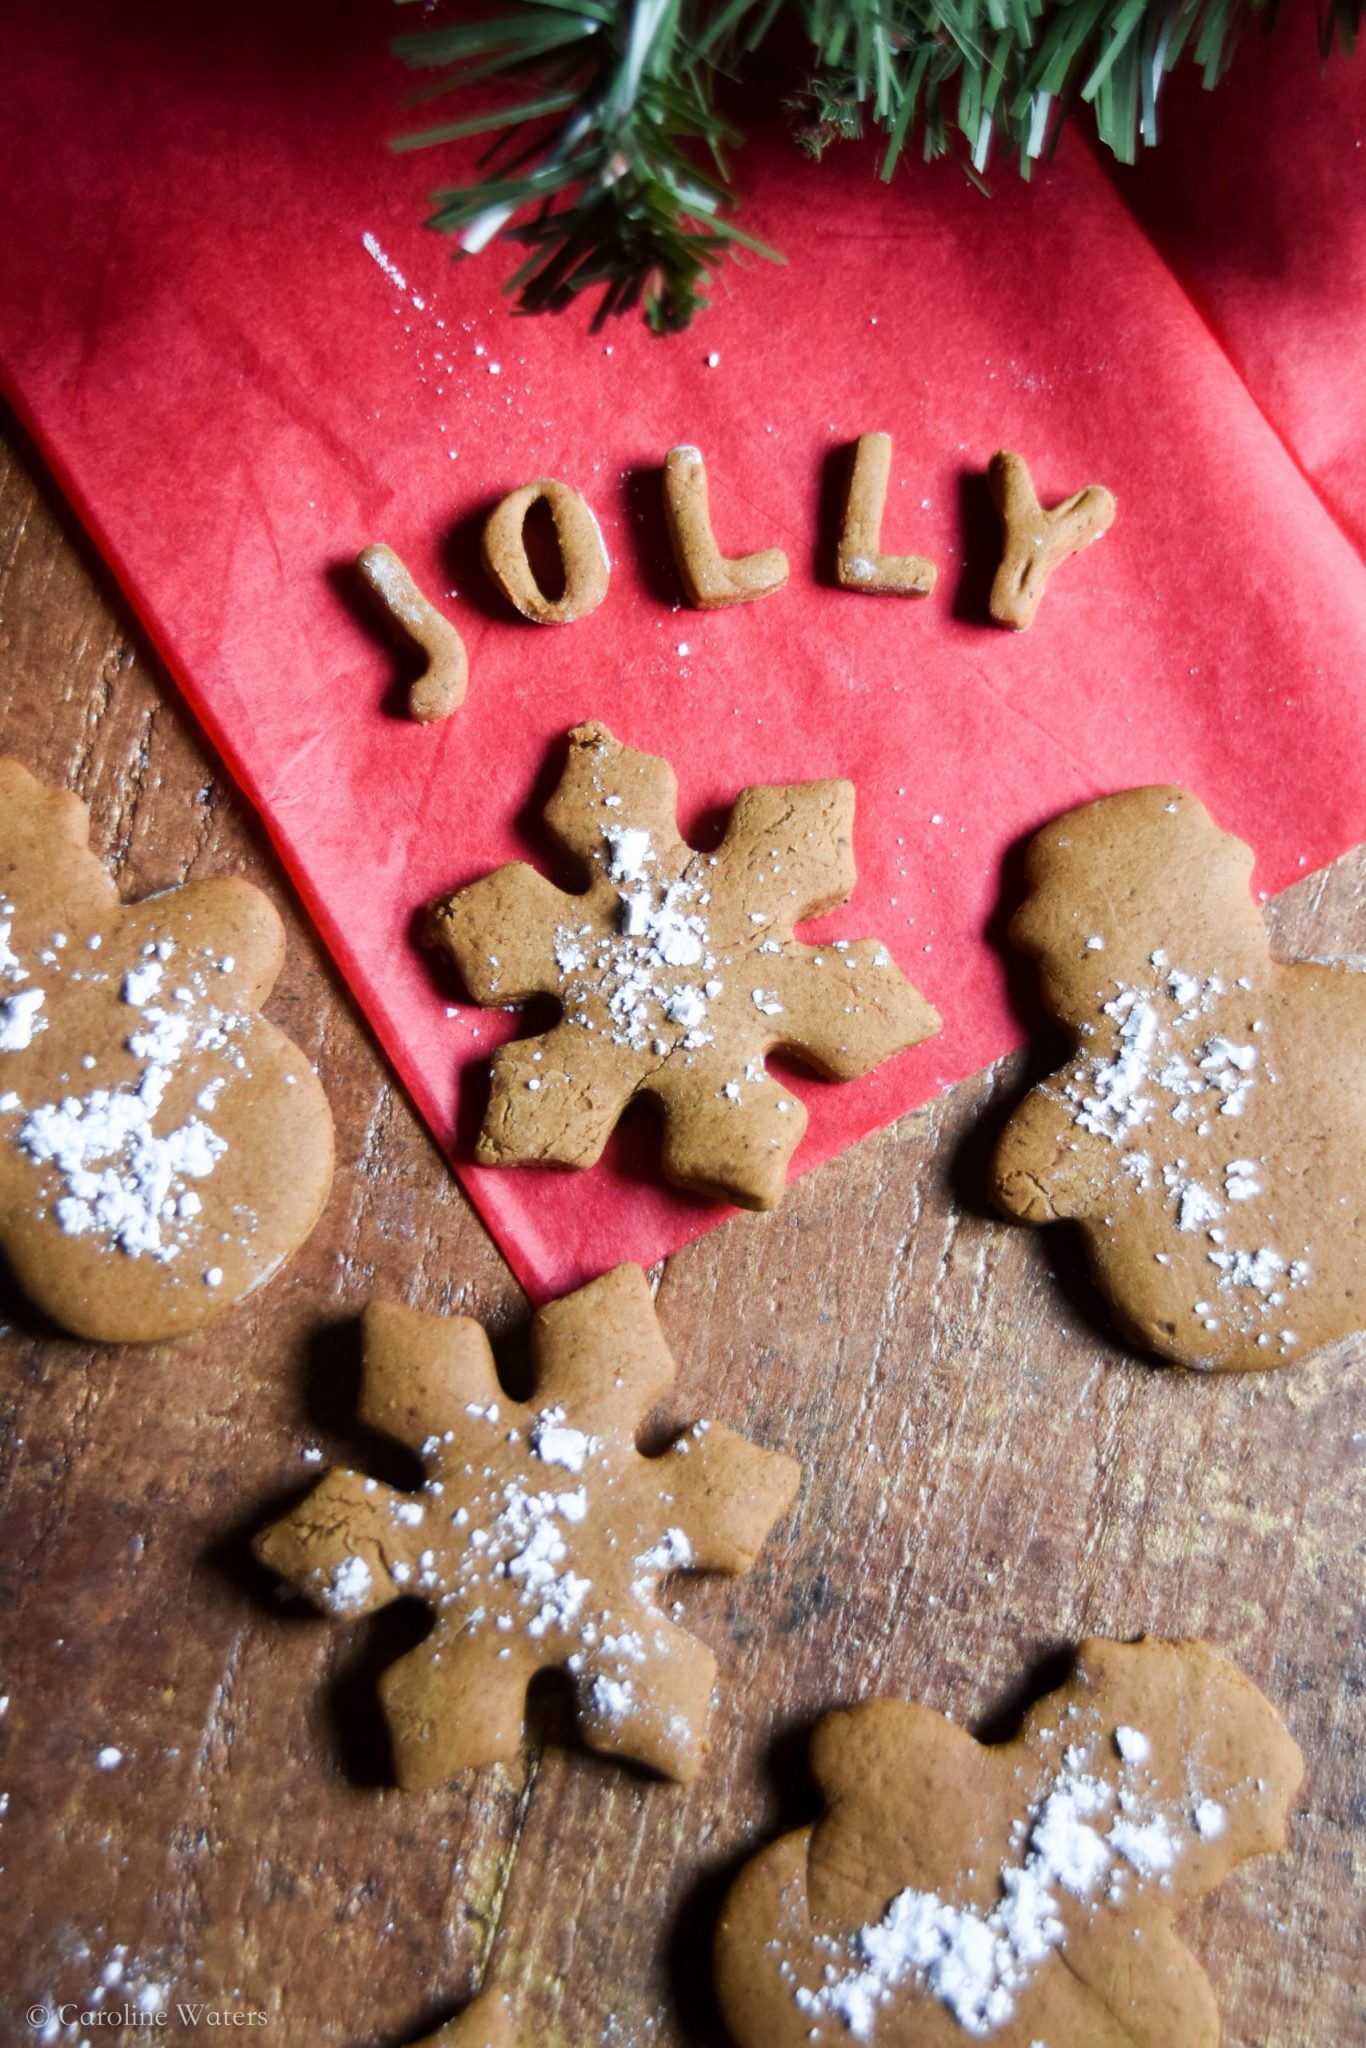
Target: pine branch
610 169
628 191
970 75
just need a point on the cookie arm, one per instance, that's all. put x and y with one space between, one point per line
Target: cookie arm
500 932
655 1712
601 1354
788 851
844 1017
727 1495
1213 1734
606 785
1150 1990
735 1147
553 1100
1044 1165
336 1545
45 853
224 930
421 1372
907 1792
453 1703
765 1919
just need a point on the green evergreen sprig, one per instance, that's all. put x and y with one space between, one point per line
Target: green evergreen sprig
609 165
617 149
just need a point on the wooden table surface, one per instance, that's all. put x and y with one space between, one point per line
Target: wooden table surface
988 1477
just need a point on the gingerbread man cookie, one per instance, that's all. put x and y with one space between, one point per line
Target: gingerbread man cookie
163 1149
676 973
1021 1894
541 1536
1208 1133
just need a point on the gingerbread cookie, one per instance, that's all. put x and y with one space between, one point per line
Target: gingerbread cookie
162 1148
860 563
1037 542
541 1536
676 973
441 687
1208 1133
583 554
486 2023
1022 1893
710 579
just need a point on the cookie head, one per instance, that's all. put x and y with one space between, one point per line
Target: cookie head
1113 882
162 1147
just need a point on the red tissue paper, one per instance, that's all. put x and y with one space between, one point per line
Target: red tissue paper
245 358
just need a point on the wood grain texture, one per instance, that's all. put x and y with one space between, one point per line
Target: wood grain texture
988 1478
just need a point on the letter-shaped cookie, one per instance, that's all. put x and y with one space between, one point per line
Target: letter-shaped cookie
441 687
541 1536
163 1149
1036 542
1016 1894
676 974
710 579
860 563
583 554
1208 1133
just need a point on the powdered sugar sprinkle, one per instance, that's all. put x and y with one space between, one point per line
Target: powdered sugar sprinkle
1085 1841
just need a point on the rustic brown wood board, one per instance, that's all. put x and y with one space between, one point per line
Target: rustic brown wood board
988 1477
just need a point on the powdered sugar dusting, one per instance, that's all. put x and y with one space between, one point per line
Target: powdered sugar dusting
118 1163
630 852
1163 1092
1133 1745
557 1444
1211 1820
661 928
19 1019
370 244
661 968
346 1588
122 1179
1084 1844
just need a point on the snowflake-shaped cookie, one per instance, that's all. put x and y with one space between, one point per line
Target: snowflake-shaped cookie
676 973
162 1147
1019 1893
541 1535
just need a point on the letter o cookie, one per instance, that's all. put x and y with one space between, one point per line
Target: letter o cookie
582 551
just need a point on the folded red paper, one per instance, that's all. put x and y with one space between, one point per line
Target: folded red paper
1258 201
245 359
